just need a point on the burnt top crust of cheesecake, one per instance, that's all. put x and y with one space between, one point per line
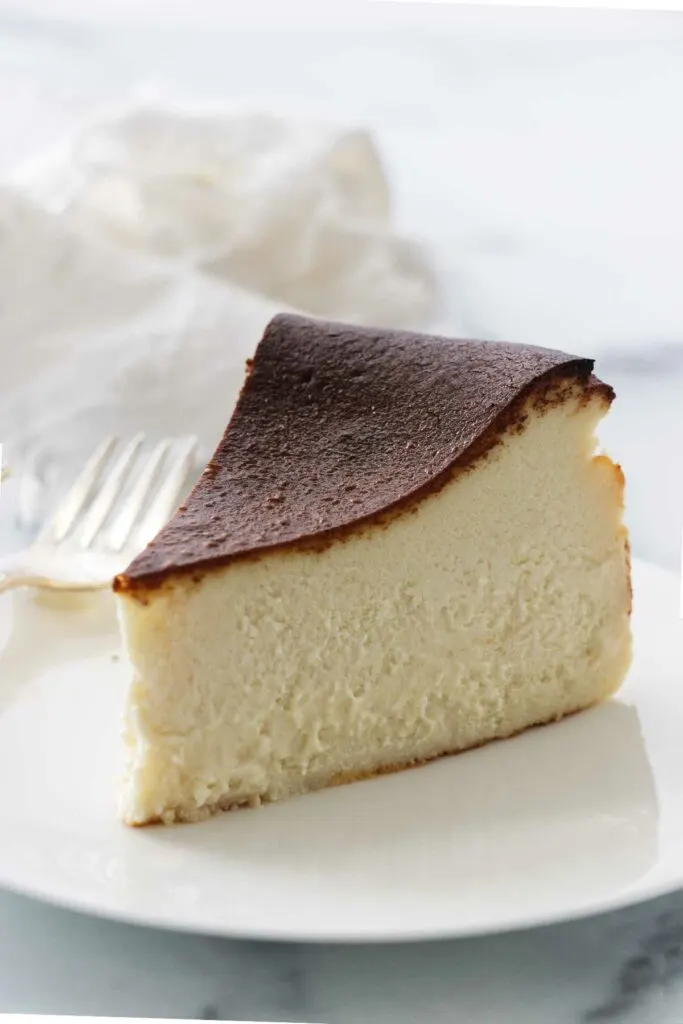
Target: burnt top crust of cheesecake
339 426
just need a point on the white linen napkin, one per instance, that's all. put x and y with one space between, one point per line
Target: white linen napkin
140 263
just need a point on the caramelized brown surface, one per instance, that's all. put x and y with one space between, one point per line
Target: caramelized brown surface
338 425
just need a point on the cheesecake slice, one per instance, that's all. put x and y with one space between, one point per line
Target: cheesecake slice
404 547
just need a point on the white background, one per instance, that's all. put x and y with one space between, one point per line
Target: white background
536 152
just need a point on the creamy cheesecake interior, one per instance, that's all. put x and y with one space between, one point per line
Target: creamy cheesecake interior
499 601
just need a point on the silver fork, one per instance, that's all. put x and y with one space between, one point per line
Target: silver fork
99 526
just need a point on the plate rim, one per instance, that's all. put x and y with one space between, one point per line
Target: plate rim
512 926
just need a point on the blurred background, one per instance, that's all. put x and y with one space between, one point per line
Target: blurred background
534 156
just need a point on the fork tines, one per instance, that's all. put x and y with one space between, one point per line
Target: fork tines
122 495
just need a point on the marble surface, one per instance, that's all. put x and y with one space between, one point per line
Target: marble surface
538 154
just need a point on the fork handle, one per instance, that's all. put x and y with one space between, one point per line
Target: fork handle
55 571
14 573
8 582
17 571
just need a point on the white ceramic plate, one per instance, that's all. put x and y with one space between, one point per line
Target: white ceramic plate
575 818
